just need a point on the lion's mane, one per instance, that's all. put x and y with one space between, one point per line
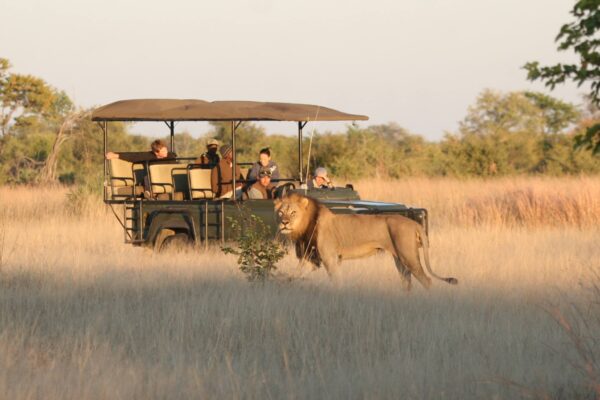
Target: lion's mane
306 235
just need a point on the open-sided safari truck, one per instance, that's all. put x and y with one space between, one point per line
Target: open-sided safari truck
183 209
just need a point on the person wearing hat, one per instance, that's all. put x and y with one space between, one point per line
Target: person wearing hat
210 158
262 188
221 177
321 180
264 161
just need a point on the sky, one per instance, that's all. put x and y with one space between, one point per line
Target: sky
418 63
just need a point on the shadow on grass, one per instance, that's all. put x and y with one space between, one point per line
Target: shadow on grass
184 336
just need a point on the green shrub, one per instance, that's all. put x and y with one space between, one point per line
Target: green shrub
257 252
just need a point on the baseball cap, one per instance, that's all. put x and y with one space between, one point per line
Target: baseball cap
264 172
322 172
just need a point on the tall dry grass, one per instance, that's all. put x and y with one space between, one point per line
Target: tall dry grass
505 202
83 315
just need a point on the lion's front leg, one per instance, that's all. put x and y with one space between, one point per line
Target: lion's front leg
308 256
310 263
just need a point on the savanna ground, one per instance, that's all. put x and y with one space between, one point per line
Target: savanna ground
83 315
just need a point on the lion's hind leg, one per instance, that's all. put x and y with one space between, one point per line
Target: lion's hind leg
407 250
404 273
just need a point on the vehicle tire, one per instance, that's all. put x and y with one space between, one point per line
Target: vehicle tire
176 243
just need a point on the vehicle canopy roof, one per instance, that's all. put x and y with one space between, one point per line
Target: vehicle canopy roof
200 110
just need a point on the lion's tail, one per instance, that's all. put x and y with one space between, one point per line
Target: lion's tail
425 243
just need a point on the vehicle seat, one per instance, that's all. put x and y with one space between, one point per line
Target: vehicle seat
122 181
200 183
161 180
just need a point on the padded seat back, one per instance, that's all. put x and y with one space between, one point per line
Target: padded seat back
121 172
160 177
200 184
122 180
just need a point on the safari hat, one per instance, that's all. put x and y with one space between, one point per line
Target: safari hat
212 142
225 149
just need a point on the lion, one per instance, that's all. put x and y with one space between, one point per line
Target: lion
322 237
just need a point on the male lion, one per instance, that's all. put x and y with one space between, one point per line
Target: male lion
322 236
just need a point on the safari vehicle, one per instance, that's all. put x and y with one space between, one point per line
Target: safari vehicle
183 210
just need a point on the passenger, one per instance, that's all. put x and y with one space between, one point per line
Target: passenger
210 158
159 151
321 180
263 188
221 177
264 161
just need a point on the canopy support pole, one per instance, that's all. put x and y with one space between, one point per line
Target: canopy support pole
171 125
104 127
233 161
301 125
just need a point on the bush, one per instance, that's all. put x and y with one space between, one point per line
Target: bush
257 252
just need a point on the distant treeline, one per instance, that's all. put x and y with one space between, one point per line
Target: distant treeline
45 138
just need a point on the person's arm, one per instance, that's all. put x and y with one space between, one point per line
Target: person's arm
202 160
135 156
253 173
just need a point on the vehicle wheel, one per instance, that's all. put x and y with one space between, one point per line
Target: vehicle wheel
178 242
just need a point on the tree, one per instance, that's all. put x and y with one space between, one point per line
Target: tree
507 133
23 95
249 139
495 112
580 36
557 115
69 123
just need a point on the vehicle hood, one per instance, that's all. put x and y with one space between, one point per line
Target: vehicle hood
362 206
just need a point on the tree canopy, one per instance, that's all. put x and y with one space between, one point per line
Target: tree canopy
581 37
46 138
26 97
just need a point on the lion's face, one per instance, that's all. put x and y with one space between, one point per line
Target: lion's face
291 212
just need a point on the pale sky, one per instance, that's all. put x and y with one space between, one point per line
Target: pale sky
419 63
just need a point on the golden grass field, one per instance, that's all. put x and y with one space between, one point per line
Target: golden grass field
82 315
